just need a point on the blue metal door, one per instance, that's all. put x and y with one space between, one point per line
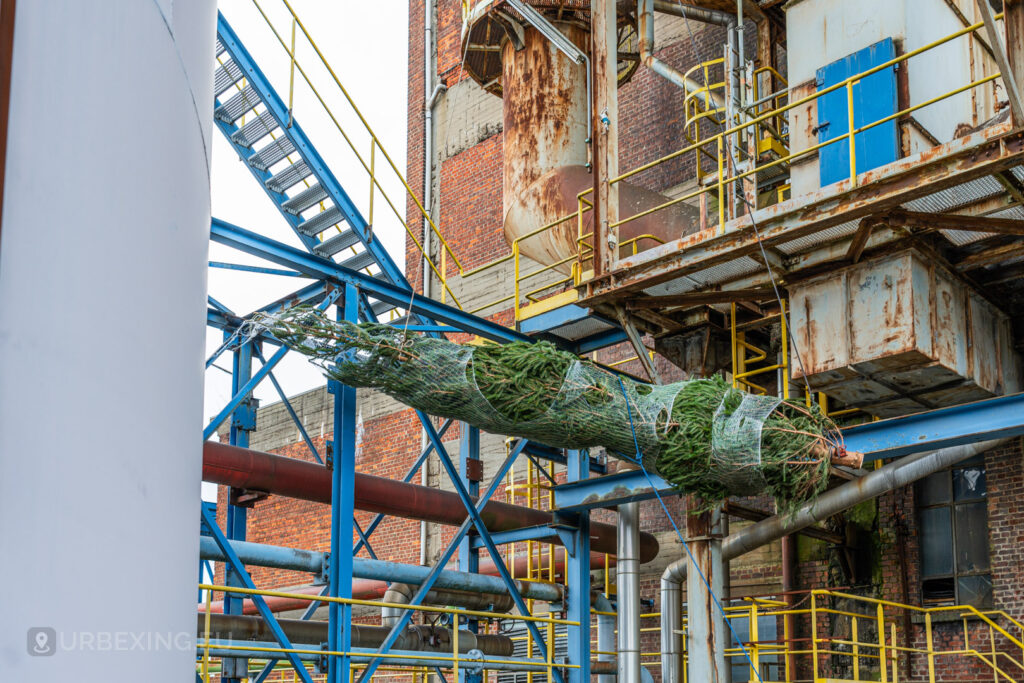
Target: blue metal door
874 98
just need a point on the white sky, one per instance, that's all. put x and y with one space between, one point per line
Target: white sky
367 46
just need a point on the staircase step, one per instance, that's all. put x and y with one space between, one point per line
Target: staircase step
225 75
338 243
271 154
305 199
252 131
239 104
316 224
220 47
380 307
288 177
359 261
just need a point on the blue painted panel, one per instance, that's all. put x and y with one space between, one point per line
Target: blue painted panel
874 98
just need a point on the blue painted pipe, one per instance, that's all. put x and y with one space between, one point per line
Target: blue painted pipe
261 555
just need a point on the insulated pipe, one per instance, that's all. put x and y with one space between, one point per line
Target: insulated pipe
627 579
401 593
248 469
314 632
892 476
309 561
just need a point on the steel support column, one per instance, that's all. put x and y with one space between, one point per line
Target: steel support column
577 573
705 636
605 144
343 462
243 421
469 555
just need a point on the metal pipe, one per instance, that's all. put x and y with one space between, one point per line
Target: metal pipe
401 593
255 471
892 476
314 632
605 634
226 648
701 14
645 40
374 589
261 555
627 579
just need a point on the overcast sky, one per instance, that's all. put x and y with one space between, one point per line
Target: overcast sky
366 44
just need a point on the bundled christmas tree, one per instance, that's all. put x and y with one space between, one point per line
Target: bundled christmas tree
703 436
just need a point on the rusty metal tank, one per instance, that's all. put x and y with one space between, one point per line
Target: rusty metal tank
545 123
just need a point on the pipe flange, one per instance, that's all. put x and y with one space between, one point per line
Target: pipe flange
477 657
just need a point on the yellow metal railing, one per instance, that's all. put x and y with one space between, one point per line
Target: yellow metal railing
770 118
452 662
721 140
864 639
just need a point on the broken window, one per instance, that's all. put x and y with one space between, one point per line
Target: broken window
953 525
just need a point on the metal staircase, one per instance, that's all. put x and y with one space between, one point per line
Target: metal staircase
259 126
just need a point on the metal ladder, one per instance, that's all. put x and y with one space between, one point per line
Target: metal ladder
258 125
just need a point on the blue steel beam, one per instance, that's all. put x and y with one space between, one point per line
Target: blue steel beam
314 266
239 569
577 573
254 269
485 535
435 572
343 457
994 418
407 478
897 437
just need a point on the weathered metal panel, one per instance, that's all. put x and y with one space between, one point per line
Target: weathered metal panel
899 334
874 98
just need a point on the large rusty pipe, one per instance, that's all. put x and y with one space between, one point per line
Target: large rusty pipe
243 468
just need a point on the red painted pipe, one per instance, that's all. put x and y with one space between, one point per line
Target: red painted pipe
243 468
371 589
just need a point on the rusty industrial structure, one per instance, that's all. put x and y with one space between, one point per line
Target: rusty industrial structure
818 201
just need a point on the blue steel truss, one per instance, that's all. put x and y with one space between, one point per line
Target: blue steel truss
283 160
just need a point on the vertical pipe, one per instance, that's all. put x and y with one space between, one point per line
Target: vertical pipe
627 577
671 625
706 640
428 186
343 453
